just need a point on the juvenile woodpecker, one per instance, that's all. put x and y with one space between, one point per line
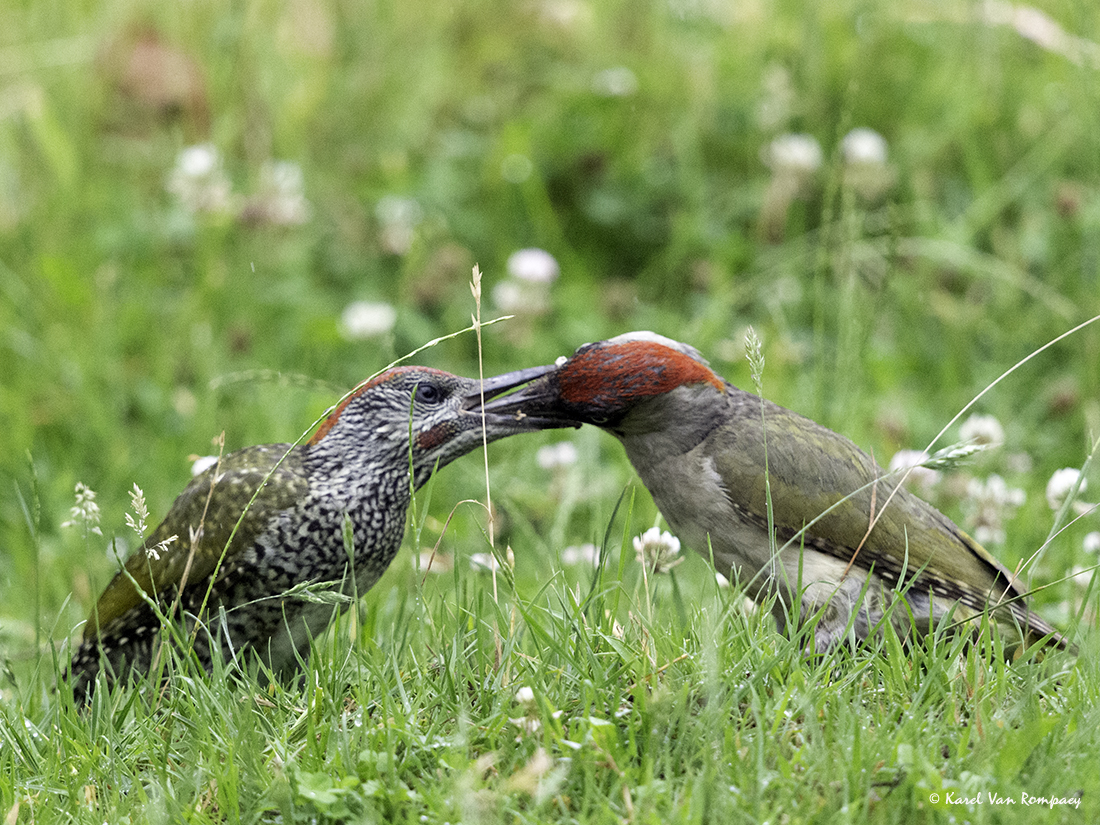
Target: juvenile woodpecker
267 518
853 545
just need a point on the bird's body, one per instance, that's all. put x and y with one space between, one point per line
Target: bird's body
329 512
853 547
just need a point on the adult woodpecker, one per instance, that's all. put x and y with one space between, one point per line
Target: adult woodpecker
268 518
851 541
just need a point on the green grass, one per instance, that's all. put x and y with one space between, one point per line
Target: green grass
692 711
133 332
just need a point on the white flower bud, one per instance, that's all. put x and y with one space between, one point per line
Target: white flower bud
1060 485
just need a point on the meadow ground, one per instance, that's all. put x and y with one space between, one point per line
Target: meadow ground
219 217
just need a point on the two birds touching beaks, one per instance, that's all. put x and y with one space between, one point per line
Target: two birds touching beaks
847 545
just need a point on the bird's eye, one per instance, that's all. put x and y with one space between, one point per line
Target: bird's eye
428 394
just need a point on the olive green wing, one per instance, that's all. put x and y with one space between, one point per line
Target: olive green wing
812 469
157 568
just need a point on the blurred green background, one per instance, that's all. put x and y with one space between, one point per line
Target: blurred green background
687 165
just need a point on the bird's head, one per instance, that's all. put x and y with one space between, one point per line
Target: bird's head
424 415
633 384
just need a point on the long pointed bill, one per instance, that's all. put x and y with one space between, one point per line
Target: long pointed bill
497 384
510 408
536 405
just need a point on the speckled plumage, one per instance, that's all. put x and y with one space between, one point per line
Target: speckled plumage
355 471
853 546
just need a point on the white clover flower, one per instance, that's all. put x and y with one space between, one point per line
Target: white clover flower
615 82
999 491
282 199
484 561
866 170
903 459
982 429
658 551
580 554
366 319
798 155
85 512
527 724
527 291
428 562
525 696
554 456
989 503
399 217
1060 485
922 478
533 265
863 147
1091 542
509 296
198 161
199 182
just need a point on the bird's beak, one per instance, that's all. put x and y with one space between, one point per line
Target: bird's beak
510 408
534 406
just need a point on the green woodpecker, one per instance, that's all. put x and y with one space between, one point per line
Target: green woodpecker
851 545
271 517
